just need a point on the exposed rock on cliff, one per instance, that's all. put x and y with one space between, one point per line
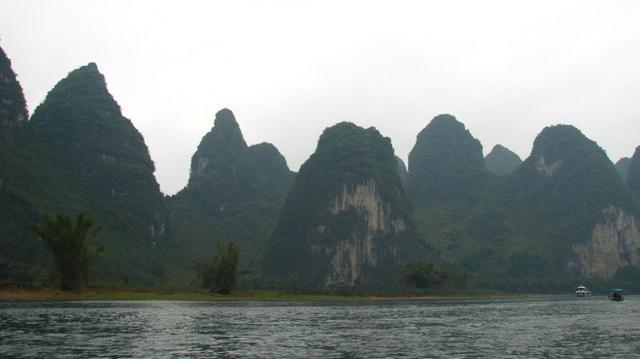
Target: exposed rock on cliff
502 161
568 172
346 221
614 244
575 207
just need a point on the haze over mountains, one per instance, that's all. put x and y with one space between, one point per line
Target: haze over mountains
352 217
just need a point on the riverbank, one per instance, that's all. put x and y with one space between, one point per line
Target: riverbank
48 294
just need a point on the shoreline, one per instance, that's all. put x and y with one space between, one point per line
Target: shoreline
115 294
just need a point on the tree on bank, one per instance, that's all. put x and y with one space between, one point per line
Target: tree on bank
72 247
220 274
423 275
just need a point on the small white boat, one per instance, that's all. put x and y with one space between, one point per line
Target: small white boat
583 291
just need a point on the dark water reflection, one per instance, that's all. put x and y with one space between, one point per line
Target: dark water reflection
592 327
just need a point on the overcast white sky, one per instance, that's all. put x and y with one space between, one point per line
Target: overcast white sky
289 69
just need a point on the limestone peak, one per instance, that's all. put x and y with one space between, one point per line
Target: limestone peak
501 160
222 149
346 221
446 160
13 108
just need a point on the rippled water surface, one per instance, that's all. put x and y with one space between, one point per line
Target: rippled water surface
592 327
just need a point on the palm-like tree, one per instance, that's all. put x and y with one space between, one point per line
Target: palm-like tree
221 273
72 247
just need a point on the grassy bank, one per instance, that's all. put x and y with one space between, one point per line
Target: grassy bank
17 293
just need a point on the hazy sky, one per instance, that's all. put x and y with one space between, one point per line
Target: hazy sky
289 69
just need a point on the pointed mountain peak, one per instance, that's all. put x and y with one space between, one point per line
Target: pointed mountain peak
446 136
446 119
13 107
446 160
500 149
559 140
567 171
86 75
269 160
226 128
221 149
84 87
559 145
225 116
501 160
352 144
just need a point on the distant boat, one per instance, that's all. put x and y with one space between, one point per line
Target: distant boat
616 295
583 291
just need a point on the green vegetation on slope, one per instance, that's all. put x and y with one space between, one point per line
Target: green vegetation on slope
234 194
515 232
309 229
446 162
78 153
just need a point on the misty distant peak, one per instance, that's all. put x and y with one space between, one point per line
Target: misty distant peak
446 160
226 128
270 161
558 141
623 165
447 119
501 160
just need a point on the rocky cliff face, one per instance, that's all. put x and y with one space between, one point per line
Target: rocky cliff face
13 108
346 222
502 161
614 244
358 252
578 207
234 194
567 171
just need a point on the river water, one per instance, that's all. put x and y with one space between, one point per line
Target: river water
523 328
